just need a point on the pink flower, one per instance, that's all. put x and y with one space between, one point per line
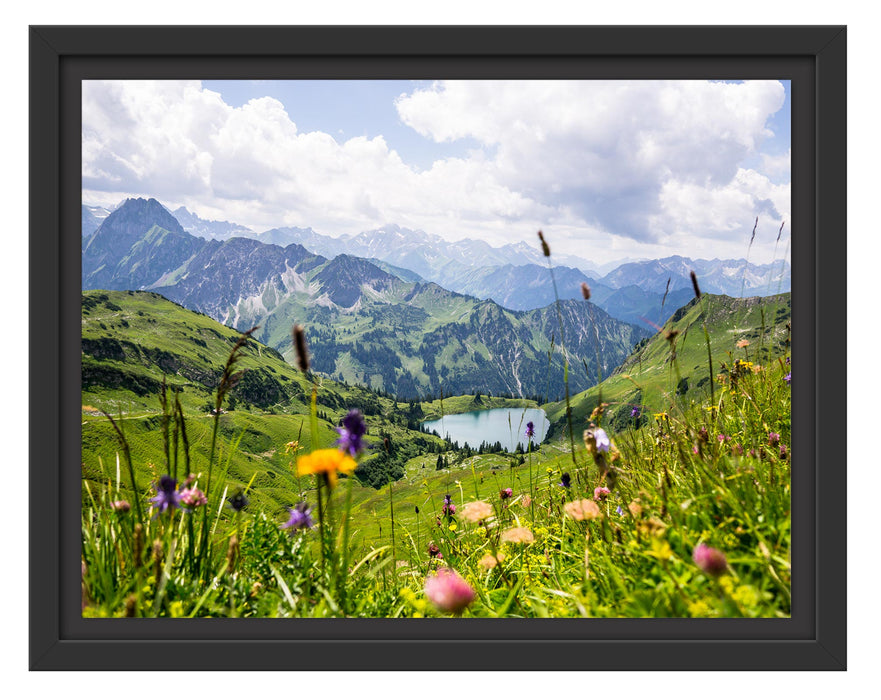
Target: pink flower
600 492
193 498
448 591
710 561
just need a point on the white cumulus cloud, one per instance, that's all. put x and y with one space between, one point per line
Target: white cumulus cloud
637 166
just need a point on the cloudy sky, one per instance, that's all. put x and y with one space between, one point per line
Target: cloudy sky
608 169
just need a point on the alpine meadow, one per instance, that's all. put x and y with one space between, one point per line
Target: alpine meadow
492 349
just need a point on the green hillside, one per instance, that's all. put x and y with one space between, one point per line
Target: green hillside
669 371
132 342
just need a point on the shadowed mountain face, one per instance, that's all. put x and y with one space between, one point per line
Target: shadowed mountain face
364 324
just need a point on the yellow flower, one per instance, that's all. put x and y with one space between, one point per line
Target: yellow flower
327 462
660 549
582 510
452 527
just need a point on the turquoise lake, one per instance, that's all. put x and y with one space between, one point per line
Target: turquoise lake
504 425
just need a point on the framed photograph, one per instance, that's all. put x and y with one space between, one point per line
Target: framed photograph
431 347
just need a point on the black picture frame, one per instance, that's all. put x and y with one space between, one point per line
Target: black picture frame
812 57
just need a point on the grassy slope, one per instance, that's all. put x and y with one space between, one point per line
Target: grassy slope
648 379
137 334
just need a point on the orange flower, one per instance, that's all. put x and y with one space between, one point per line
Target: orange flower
582 510
518 535
476 511
327 462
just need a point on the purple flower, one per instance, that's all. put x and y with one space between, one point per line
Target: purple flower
301 518
448 591
710 561
619 510
167 497
506 493
237 501
530 429
773 439
352 433
449 507
600 492
788 378
634 412
565 480
603 442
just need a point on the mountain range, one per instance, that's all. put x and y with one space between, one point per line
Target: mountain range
378 315
365 324
643 292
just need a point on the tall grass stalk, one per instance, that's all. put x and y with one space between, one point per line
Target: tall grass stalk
547 253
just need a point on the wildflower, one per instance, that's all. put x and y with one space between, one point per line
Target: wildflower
352 433
710 561
582 510
488 561
660 416
737 450
788 378
449 507
530 429
783 451
603 442
723 438
600 492
301 518
526 501
448 591
518 535
327 462
634 412
166 498
433 550
292 446
452 527
565 480
121 506
619 510
703 435
742 343
773 439
238 501
476 511
506 493
193 497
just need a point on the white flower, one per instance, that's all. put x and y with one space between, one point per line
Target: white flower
603 442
